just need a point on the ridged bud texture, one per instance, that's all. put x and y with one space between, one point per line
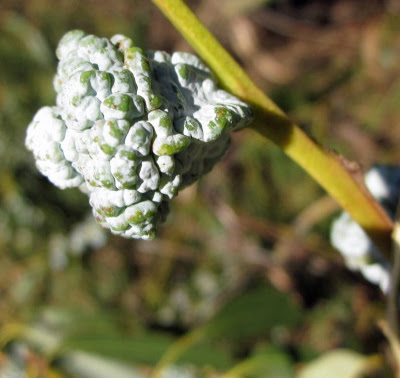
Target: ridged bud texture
131 128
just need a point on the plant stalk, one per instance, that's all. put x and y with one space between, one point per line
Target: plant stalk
338 177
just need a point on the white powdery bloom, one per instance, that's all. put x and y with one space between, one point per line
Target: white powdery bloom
358 250
131 128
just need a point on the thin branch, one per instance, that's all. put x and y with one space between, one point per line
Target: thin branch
334 174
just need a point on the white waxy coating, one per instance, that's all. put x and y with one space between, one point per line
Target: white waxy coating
358 250
139 137
131 129
44 142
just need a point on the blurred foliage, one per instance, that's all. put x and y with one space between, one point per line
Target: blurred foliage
242 281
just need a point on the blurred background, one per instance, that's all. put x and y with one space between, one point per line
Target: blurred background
242 280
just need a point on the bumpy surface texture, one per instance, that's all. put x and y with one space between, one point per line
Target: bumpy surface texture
358 250
131 128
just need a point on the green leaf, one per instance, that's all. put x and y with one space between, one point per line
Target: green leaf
247 316
207 355
86 365
270 363
254 313
143 348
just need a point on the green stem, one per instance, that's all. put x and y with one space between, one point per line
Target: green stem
331 172
178 348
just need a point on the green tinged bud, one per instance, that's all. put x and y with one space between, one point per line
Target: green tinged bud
134 127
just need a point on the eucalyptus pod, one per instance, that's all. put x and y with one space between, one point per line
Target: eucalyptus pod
358 250
131 128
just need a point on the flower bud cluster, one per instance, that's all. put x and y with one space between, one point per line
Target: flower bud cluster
358 250
131 128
